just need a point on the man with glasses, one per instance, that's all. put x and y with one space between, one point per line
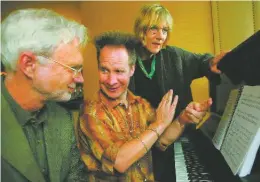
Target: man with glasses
76 71
42 56
76 96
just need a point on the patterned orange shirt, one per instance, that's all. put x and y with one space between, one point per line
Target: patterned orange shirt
105 126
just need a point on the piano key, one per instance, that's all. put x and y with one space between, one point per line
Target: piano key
187 164
181 171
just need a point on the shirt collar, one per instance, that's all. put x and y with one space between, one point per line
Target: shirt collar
131 98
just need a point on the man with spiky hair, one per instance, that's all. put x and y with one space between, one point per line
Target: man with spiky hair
117 128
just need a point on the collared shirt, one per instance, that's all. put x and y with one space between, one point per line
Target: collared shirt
32 124
105 126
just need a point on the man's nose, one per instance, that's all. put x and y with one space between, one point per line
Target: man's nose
112 79
79 78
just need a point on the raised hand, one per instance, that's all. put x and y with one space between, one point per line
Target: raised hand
194 112
166 109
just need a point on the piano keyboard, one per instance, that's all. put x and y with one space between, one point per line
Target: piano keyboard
180 166
187 165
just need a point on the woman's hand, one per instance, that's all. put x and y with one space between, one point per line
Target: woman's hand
214 62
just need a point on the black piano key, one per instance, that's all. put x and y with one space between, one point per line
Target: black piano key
196 171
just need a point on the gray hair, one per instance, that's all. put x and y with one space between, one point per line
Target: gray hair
117 38
37 30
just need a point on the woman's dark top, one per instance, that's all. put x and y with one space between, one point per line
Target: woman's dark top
175 69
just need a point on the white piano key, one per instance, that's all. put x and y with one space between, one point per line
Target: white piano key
180 166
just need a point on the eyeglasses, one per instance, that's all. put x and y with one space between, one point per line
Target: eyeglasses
155 29
76 72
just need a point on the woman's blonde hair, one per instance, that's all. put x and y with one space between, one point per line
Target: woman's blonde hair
152 15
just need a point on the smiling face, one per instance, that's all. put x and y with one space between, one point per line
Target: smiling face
155 37
114 72
57 82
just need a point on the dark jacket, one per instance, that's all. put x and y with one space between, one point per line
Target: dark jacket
176 69
17 161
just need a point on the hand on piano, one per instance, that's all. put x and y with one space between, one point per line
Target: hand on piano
195 112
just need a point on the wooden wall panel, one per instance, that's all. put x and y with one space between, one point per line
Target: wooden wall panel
233 22
256 15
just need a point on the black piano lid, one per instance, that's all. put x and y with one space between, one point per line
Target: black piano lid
242 64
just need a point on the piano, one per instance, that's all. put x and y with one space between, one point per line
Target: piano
197 160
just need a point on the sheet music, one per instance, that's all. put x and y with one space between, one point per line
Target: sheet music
248 164
243 129
225 119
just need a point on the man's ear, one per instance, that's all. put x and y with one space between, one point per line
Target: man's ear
27 63
132 70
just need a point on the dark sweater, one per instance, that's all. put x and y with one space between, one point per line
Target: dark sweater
175 69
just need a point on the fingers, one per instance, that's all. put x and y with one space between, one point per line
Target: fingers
163 101
210 102
194 116
201 106
206 104
166 109
169 98
214 67
174 103
196 111
214 62
197 106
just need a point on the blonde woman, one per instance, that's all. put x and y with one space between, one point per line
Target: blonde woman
161 67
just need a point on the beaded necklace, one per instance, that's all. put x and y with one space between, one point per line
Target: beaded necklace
148 75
